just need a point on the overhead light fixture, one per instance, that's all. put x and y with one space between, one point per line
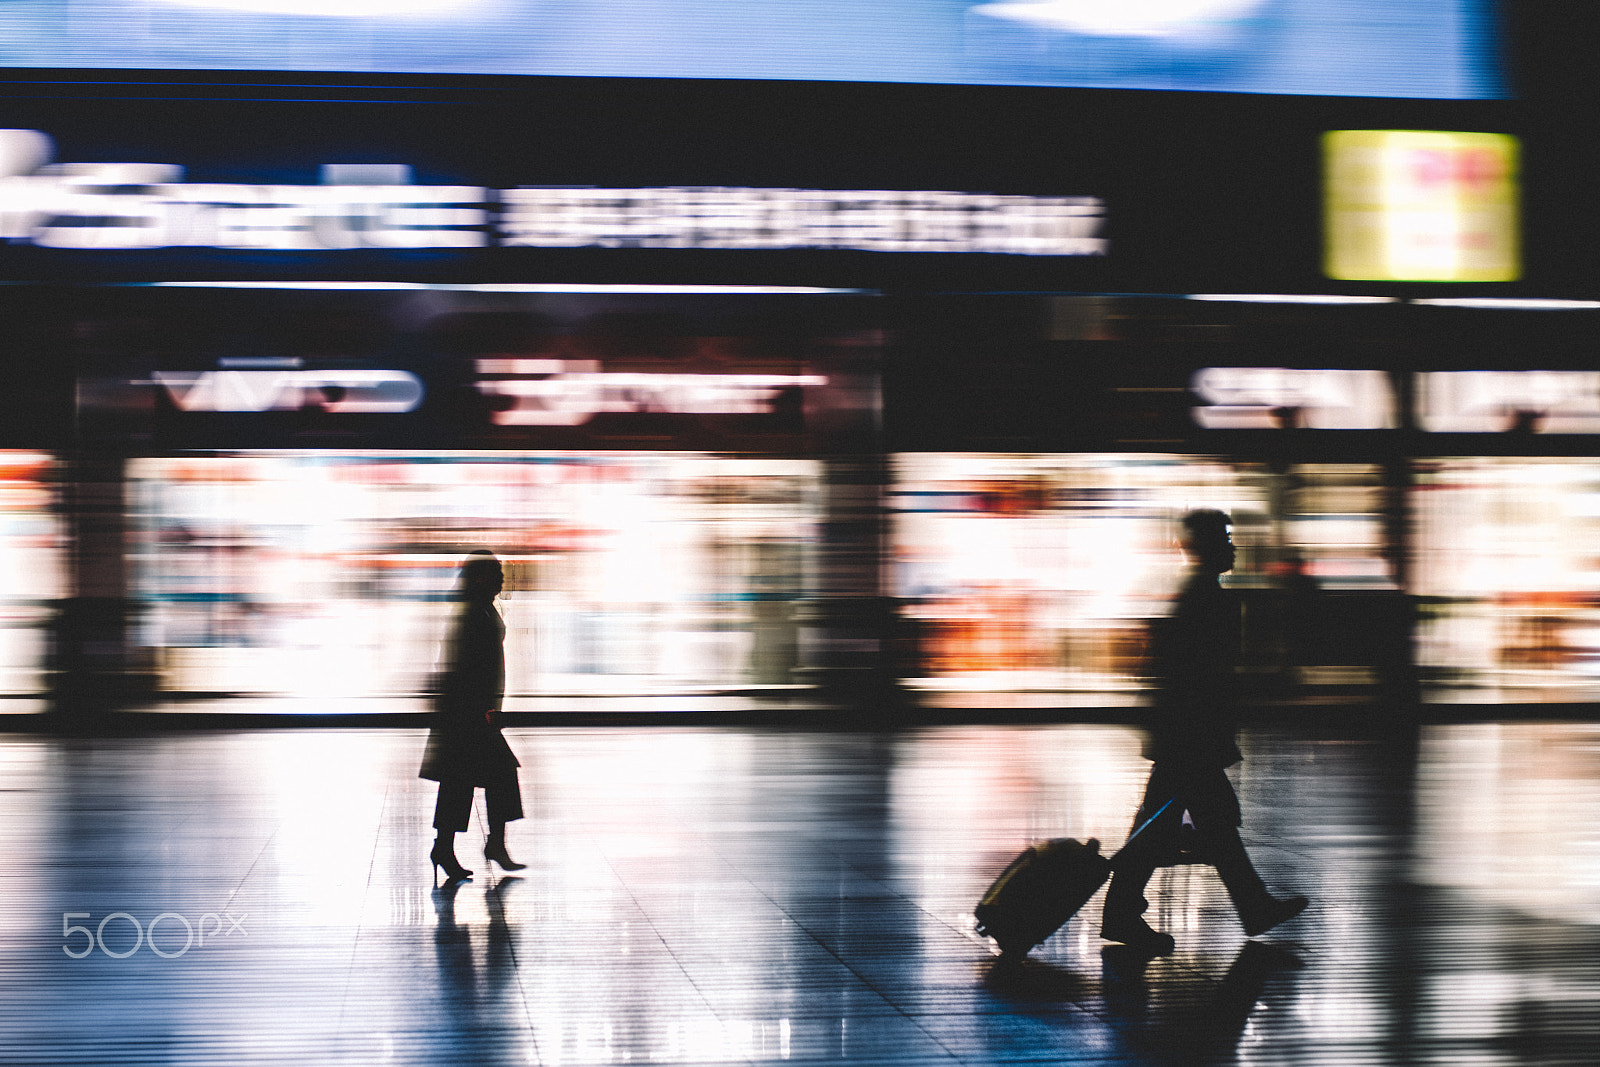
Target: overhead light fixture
334 8
1181 20
286 285
1509 303
520 287
537 287
1292 298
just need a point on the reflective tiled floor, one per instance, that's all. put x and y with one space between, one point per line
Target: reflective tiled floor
725 895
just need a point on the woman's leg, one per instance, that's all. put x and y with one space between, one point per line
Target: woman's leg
450 814
453 809
505 805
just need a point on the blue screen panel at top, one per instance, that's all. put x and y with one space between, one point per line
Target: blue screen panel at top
1407 48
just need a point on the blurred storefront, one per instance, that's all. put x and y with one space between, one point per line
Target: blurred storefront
1508 578
855 391
302 470
962 500
33 561
1028 573
330 573
1039 573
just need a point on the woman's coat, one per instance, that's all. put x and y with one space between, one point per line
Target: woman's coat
463 745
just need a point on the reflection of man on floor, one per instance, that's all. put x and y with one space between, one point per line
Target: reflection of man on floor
1194 652
1205 1022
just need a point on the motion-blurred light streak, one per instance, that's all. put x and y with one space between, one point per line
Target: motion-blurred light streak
1251 398
553 392
1502 401
1179 20
149 205
340 392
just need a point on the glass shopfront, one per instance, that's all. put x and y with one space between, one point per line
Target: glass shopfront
1038 573
329 573
32 569
1508 577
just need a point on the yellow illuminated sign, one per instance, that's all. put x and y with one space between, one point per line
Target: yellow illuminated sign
1420 205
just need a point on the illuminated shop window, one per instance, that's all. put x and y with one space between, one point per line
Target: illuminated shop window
32 562
1021 573
1277 398
1507 577
328 574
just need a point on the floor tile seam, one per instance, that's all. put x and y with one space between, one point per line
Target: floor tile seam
516 969
1304 854
656 930
355 942
892 893
173 831
739 874
261 852
889 893
863 979
481 817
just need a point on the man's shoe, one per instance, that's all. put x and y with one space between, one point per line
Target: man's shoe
1263 917
1137 935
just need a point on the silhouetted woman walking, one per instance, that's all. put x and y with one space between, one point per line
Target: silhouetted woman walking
465 747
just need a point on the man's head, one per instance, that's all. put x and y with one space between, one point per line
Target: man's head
481 576
1208 541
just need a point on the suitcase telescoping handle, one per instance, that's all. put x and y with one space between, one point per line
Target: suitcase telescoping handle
1142 828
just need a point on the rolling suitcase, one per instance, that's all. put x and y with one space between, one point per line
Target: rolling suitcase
1044 887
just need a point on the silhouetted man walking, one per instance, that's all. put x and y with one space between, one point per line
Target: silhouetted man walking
1194 653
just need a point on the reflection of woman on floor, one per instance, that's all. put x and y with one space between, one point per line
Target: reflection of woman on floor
465 747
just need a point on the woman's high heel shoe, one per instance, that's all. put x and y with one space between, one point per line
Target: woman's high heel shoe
446 858
494 849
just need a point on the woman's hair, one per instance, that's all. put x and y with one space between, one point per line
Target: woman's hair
480 569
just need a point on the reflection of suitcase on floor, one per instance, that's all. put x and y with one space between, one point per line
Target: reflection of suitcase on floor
1043 888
